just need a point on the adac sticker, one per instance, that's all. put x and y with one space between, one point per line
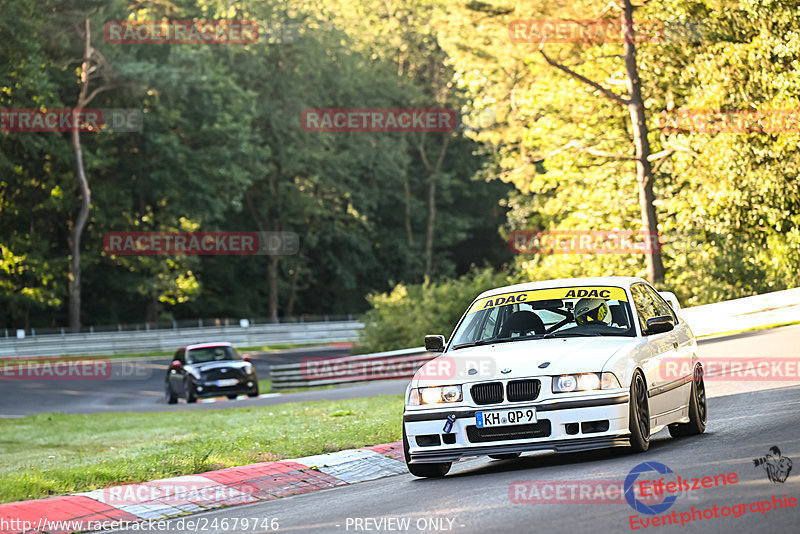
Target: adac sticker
602 292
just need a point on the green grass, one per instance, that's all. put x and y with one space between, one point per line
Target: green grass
53 454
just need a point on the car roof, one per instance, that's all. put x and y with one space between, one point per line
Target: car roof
616 281
207 345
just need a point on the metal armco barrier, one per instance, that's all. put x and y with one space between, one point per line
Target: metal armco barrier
133 342
394 364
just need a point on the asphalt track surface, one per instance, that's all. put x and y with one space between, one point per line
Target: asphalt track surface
137 385
745 420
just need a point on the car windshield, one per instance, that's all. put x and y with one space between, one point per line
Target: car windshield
595 311
211 354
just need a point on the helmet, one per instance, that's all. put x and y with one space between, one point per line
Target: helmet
592 311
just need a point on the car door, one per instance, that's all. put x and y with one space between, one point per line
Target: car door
176 375
677 369
660 349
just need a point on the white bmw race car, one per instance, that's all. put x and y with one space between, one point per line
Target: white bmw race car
562 366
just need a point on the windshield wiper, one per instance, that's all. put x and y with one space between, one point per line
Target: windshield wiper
491 341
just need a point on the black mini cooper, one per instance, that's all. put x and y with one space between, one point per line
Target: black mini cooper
210 370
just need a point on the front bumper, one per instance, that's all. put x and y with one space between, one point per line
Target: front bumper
563 425
210 388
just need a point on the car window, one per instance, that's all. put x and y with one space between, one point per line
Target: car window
211 354
649 304
548 312
661 303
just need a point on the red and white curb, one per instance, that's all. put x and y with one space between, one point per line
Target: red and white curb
172 497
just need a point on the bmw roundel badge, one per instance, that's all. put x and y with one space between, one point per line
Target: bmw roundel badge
506 371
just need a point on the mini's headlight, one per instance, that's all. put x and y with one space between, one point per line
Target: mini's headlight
435 395
584 382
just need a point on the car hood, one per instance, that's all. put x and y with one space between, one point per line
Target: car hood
208 366
521 359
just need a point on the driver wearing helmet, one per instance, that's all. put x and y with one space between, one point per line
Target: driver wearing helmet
588 311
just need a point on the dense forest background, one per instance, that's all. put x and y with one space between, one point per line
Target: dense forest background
408 224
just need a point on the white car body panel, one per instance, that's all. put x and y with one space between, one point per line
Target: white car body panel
622 356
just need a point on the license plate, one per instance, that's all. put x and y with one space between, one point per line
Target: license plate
520 416
227 382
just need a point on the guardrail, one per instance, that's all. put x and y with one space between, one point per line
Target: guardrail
322 371
740 314
170 340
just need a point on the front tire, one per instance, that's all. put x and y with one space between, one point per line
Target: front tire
639 414
171 397
437 470
191 394
698 409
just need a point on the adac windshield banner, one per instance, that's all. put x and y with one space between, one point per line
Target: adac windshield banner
601 292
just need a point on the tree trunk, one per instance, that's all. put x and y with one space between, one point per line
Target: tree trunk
433 171
644 171
86 194
429 233
272 282
409 231
75 237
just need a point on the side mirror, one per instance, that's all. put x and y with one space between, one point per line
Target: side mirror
659 325
246 357
176 364
434 343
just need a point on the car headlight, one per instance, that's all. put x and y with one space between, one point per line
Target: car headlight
250 369
435 395
584 382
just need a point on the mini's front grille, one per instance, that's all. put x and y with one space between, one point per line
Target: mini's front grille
522 390
218 374
488 393
540 429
